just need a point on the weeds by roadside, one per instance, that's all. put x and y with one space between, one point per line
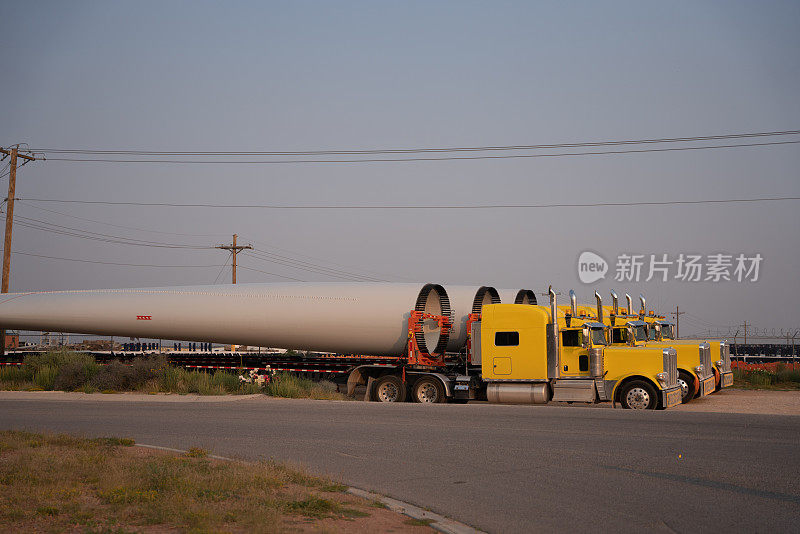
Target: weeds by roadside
65 483
777 375
71 371
295 387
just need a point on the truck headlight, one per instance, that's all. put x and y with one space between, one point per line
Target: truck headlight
662 378
720 363
699 369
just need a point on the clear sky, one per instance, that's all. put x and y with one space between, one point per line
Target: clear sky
258 76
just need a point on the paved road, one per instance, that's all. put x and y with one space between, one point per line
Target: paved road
499 468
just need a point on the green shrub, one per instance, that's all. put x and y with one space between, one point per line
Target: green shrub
760 378
75 375
53 359
118 376
15 375
295 387
45 376
287 385
170 379
229 382
788 375
114 376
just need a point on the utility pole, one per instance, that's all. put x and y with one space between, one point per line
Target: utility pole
745 332
677 313
12 186
234 249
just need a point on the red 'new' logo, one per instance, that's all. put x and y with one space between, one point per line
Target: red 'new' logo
144 317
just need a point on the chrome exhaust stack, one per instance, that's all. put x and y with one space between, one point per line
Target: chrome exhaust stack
554 367
599 306
573 302
614 307
630 304
643 311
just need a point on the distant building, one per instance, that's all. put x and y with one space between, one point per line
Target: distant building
12 340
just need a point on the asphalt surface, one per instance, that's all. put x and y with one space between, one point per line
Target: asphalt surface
498 468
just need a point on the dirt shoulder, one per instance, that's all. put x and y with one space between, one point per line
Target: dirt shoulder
767 402
747 401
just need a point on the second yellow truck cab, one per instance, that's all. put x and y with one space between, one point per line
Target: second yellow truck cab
526 355
695 371
662 330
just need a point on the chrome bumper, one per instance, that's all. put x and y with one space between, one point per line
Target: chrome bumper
671 397
708 386
726 379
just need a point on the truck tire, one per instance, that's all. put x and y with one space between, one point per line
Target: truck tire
428 390
686 382
389 388
638 395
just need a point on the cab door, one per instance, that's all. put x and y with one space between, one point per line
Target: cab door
574 357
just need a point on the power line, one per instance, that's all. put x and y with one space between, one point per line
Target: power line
118 225
260 255
194 235
108 262
446 158
412 206
273 274
422 150
266 246
96 236
223 267
311 267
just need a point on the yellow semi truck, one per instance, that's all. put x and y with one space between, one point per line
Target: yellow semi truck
659 329
695 374
521 353
648 328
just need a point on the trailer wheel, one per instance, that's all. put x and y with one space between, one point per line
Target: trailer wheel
686 382
638 395
389 388
428 390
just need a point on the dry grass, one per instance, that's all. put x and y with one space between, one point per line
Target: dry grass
70 371
62 483
778 377
295 387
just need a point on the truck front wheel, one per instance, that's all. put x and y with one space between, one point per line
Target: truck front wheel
428 390
686 382
389 388
638 395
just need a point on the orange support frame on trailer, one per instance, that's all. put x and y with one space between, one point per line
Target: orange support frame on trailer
471 318
417 356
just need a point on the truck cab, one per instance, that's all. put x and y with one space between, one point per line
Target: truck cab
695 372
662 330
529 352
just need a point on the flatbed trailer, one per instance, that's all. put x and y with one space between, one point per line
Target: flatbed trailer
334 367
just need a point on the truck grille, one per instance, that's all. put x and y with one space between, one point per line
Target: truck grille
705 359
725 356
671 366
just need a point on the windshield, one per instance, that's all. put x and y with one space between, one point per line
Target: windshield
652 332
598 336
666 331
619 335
640 333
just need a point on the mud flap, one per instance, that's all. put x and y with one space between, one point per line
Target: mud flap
370 387
355 379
